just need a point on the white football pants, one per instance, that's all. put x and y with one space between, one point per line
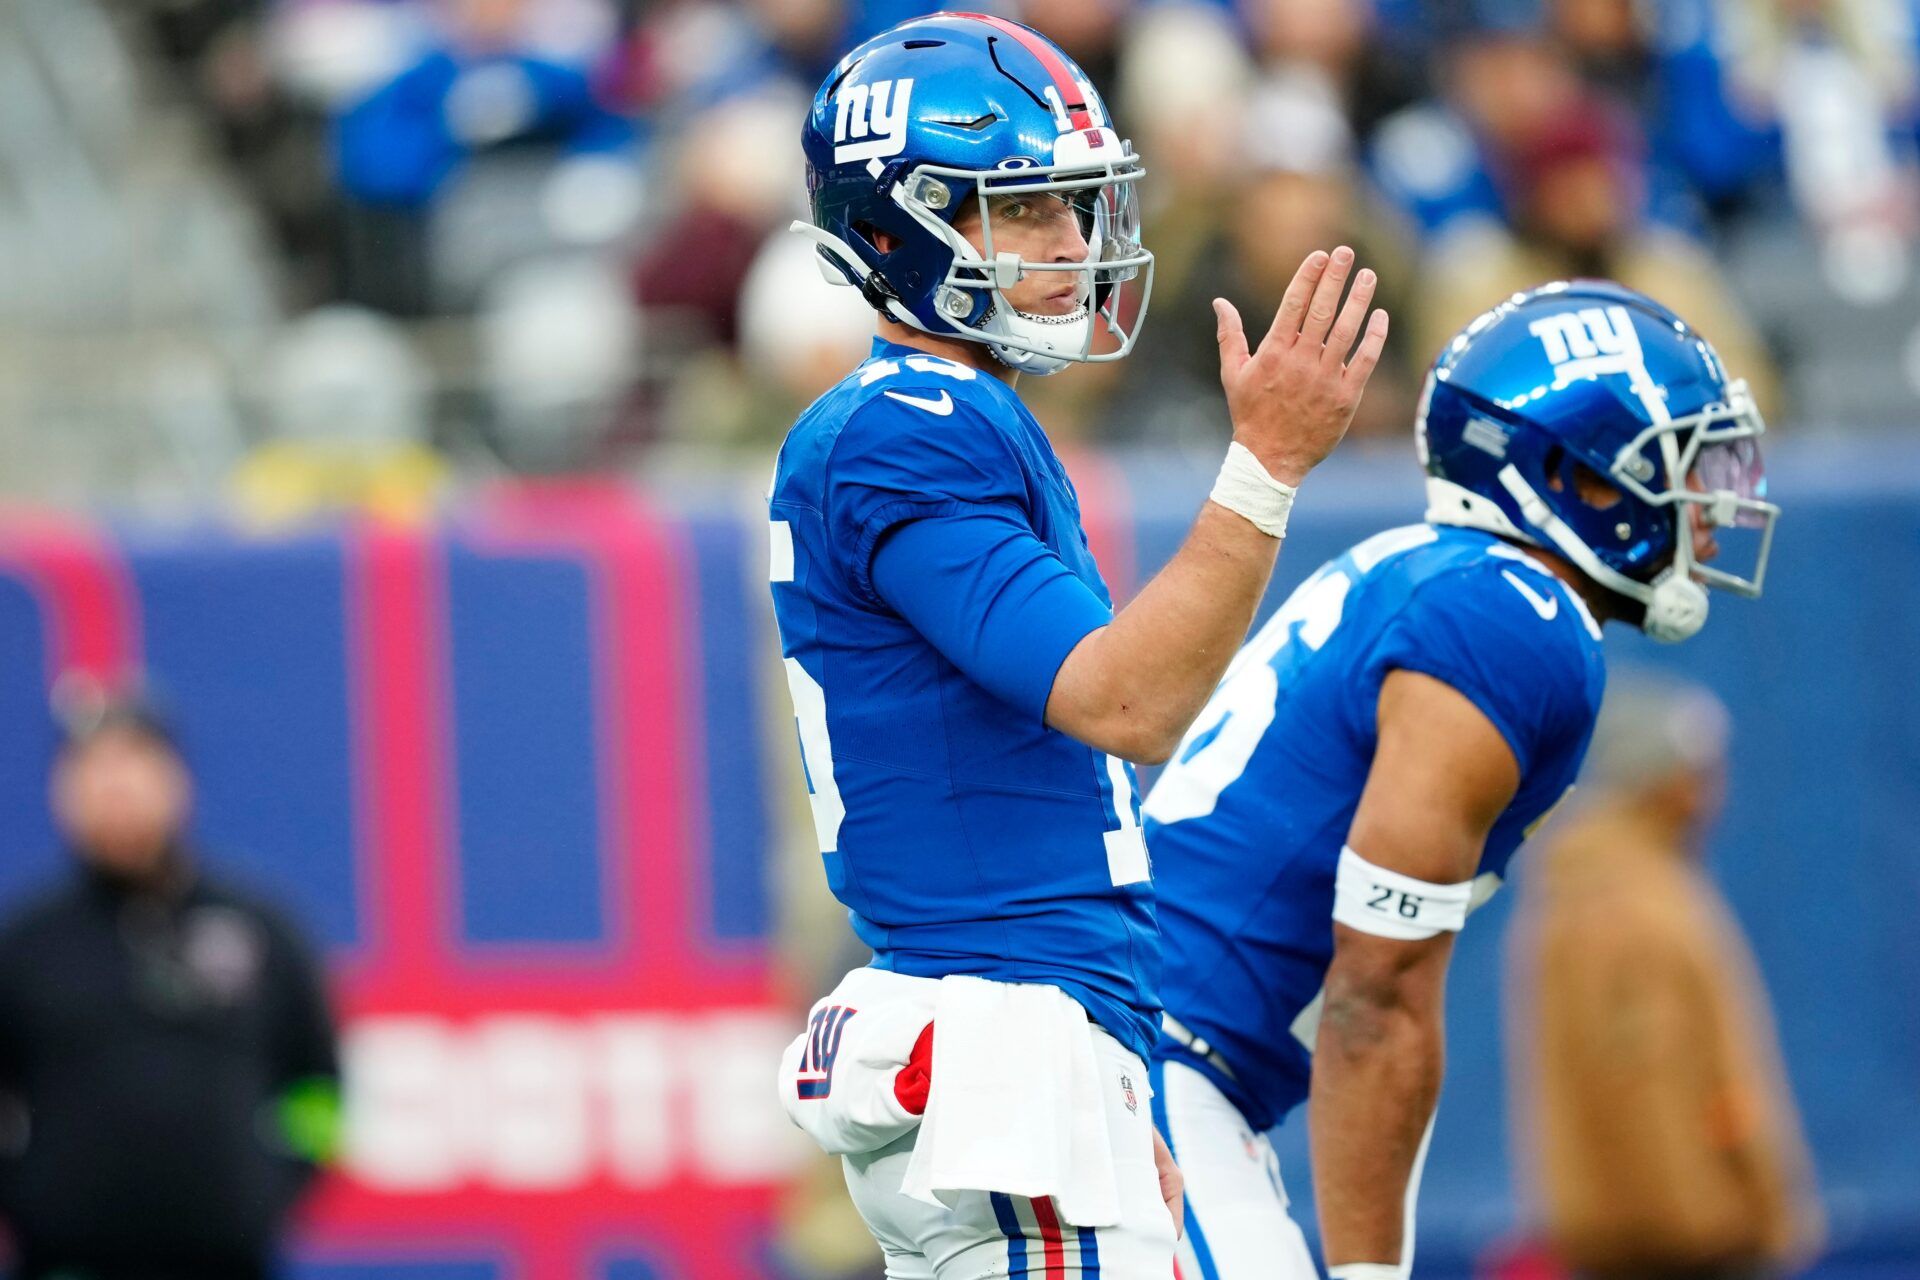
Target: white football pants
1237 1225
990 1236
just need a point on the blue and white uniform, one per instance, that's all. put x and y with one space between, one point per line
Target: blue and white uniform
930 574
930 577
1248 822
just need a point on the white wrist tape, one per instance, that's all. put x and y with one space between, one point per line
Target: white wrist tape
1365 1271
1244 488
1385 903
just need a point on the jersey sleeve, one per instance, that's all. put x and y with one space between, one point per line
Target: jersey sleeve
1502 639
992 598
894 463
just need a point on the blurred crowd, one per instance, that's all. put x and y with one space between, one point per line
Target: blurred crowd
598 190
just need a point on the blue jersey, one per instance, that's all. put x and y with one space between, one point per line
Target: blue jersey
930 575
1248 821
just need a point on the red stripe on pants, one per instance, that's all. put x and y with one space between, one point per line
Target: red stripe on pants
1056 1250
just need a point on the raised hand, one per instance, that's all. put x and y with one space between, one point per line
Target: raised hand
1292 399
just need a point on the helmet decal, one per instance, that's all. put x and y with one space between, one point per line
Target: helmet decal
1582 382
870 121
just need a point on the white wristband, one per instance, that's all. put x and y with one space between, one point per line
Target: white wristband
1365 1271
1244 488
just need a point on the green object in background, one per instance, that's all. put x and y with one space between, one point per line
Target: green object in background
309 1115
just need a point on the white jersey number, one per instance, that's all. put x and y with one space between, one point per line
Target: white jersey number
1217 748
809 712
1222 740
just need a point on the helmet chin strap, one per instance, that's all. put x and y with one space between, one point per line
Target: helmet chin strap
861 274
1675 605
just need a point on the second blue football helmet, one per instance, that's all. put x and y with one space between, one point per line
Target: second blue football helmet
1587 374
960 107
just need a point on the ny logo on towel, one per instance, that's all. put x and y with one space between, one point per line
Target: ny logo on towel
823 1046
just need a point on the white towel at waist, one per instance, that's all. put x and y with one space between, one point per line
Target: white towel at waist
1015 1104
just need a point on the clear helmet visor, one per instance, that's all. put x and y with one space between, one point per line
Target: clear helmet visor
1105 209
1736 467
1109 218
1710 474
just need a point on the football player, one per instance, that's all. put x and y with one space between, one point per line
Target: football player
1359 781
967 698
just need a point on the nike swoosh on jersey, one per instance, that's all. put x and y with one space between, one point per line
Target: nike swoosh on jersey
941 407
1548 607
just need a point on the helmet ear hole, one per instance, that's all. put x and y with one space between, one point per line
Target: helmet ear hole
1566 473
1594 489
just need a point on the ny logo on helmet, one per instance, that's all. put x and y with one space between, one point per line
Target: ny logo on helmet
870 120
1590 343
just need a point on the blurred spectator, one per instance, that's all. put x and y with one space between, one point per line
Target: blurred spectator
1089 30
559 343
1797 121
1650 1101
1295 188
347 400
1436 159
1572 184
165 1044
799 335
1335 45
1179 62
685 57
1823 94
1608 41
737 175
496 76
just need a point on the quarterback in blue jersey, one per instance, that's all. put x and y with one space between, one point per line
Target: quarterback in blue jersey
1374 756
967 698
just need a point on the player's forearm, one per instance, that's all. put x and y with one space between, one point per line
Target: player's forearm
1376 1080
1133 686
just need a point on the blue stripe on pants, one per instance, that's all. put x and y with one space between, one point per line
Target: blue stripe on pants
1089 1253
1157 1077
1016 1238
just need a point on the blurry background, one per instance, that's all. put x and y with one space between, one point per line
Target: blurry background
394 383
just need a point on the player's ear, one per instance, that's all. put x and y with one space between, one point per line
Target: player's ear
1592 489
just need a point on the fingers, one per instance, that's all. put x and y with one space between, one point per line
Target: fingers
1172 1184
1347 327
1293 304
1326 296
1232 337
1360 368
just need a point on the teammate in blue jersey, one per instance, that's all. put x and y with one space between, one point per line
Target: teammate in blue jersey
1360 779
967 698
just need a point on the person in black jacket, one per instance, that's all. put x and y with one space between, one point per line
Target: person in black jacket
168 1068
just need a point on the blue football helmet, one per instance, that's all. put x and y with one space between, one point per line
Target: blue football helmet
1587 374
962 107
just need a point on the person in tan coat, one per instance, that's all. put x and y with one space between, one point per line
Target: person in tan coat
1650 1102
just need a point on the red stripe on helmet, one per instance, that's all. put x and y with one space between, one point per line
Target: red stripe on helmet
1056 66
